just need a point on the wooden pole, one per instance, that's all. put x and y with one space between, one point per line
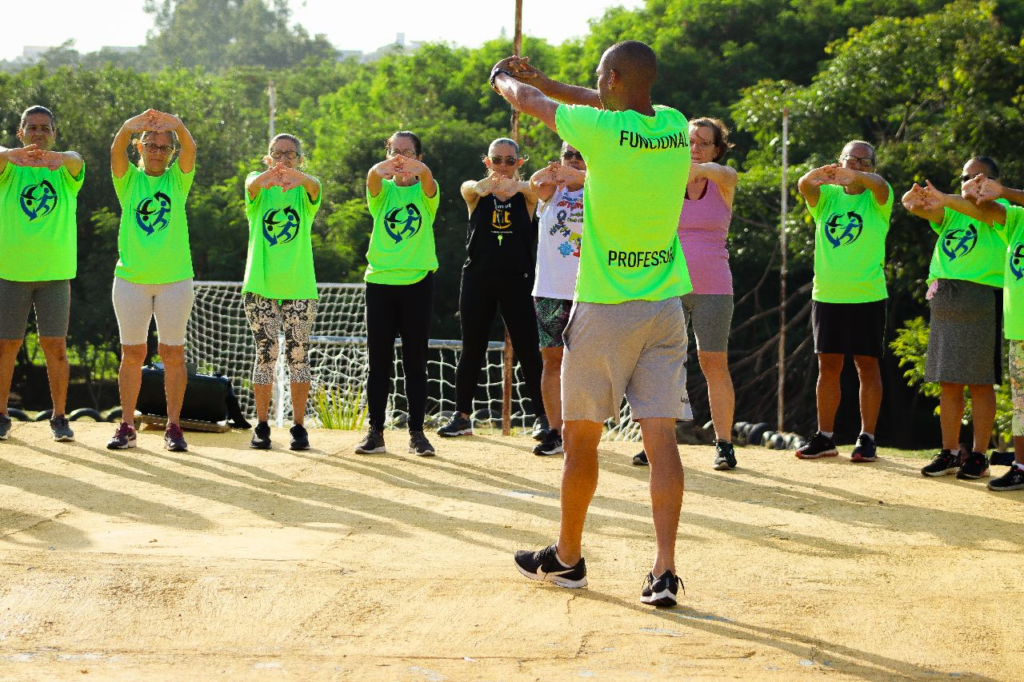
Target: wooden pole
782 272
272 92
506 393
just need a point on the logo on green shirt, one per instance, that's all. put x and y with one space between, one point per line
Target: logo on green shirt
1017 261
403 222
841 231
280 225
153 213
957 242
39 200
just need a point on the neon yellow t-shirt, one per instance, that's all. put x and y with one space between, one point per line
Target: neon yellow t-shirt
38 223
632 251
401 247
279 262
152 243
1013 277
849 246
968 249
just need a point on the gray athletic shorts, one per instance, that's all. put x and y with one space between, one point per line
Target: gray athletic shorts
51 299
636 349
710 317
136 304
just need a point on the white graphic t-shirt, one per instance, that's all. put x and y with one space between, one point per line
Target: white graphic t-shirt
560 227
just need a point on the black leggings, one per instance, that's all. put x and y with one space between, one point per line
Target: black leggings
478 302
406 310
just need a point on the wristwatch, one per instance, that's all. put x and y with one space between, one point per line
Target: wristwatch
494 74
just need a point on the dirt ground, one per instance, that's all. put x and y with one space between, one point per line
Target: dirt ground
227 563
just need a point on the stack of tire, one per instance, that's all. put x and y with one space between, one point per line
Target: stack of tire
746 433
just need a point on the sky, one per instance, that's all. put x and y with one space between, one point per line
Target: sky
348 24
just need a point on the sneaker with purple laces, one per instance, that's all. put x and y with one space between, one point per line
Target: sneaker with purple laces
124 437
174 439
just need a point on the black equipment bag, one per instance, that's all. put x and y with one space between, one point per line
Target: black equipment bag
207 398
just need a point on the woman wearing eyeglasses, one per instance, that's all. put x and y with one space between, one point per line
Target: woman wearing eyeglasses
403 198
279 291
153 277
499 271
965 282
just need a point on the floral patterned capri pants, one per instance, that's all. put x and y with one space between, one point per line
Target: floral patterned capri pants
267 317
1017 385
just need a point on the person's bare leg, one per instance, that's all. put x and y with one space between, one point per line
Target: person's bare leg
951 413
8 358
263 392
55 349
175 380
551 386
1018 449
828 393
579 481
666 488
870 391
300 392
721 396
129 379
983 411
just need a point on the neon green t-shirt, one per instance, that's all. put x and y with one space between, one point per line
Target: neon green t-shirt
152 243
402 242
849 246
968 249
632 250
1013 278
279 262
38 223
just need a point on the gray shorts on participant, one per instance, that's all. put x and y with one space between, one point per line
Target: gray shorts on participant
710 317
636 349
51 299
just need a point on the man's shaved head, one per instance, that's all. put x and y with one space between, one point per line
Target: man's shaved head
635 63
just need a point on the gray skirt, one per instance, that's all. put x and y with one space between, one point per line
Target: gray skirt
965 340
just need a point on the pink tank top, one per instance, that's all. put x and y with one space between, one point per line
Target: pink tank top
703 230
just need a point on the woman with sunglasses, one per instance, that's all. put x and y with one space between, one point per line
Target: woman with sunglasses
153 277
965 283
499 271
403 198
279 291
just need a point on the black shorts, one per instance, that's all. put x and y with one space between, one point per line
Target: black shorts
849 328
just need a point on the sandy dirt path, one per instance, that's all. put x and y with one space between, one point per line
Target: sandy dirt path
227 563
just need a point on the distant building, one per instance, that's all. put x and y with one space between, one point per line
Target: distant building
401 45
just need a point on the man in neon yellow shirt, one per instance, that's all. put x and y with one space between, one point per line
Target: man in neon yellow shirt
626 333
38 255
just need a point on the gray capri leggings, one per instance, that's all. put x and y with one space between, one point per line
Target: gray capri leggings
267 317
51 299
136 304
711 319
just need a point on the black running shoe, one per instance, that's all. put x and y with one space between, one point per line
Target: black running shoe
942 464
5 427
660 591
544 565
260 437
124 437
174 439
864 450
61 430
456 426
725 456
974 468
419 445
540 427
819 445
1011 480
552 444
300 438
640 459
372 443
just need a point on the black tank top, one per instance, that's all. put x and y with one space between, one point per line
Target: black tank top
502 238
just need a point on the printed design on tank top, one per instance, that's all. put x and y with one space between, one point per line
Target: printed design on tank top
842 230
1017 261
957 242
280 225
38 200
153 213
501 218
403 222
568 215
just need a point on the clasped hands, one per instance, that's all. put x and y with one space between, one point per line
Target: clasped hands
499 185
399 166
153 121
557 175
977 190
33 157
280 175
834 174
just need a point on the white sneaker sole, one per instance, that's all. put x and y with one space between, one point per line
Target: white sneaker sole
663 598
129 445
556 579
464 432
425 453
374 451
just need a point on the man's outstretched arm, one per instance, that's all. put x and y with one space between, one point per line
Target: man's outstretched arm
523 98
561 92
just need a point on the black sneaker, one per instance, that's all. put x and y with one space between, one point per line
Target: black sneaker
61 430
640 459
544 565
660 591
819 445
552 444
300 438
456 426
372 443
124 437
725 456
864 450
942 464
1011 480
541 428
174 439
260 437
5 427
974 468
419 445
